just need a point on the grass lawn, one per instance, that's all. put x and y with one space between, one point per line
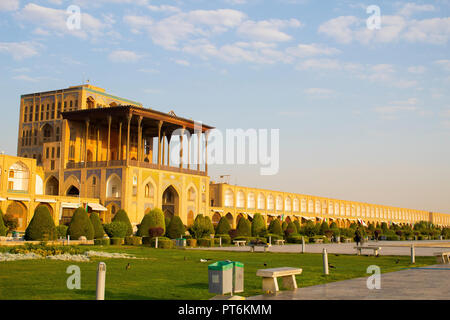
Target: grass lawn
175 274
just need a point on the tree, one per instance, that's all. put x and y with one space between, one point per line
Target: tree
121 215
116 229
176 228
284 226
324 228
42 226
223 227
80 225
99 232
202 227
290 229
153 219
3 228
275 227
244 228
258 226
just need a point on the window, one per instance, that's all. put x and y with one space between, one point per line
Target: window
94 181
58 152
53 153
52 165
47 153
42 112
65 105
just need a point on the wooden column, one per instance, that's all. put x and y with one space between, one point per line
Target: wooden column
98 143
119 154
206 152
109 139
159 142
181 147
139 151
168 150
130 116
199 138
189 151
164 148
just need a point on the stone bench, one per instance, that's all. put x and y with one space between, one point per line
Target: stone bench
270 276
239 242
442 257
265 246
280 242
374 249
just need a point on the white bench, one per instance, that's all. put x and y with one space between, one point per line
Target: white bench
279 242
374 249
270 282
442 257
265 246
239 242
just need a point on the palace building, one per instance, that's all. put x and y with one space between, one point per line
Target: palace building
81 146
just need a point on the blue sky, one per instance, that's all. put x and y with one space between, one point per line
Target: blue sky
363 114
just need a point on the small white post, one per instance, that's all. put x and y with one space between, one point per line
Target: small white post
220 241
303 244
101 276
156 243
270 240
325 262
413 254
68 239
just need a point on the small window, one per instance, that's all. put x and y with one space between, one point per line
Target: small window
94 181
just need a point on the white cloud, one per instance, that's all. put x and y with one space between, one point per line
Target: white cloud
391 110
319 91
9 5
340 28
163 8
182 63
411 8
55 20
267 30
444 63
20 50
326 65
25 78
124 56
417 69
314 49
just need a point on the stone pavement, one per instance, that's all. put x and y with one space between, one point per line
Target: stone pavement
400 248
427 283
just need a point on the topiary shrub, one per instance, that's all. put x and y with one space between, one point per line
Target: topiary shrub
191 242
116 229
11 222
226 239
244 228
102 242
258 225
116 241
284 225
122 216
153 219
99 232
202 227
80 225
3 228
176 228
133 241
290 229
61 231
41 226
223 227
156 232
166 223
165 244
205 242
298 226
275 227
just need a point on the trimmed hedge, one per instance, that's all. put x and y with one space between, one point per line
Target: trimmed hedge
146 241
122 216
244 228
133 241
116 229
191 242
41 226
153 219
61 231
273 237
226 239
223 227
99 232
80 226
116 241
258 225
165 244
102 242
176 228
205 242
3 228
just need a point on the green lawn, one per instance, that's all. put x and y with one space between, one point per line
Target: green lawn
175 274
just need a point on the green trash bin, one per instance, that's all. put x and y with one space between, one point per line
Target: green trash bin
220 276
180 242
238 276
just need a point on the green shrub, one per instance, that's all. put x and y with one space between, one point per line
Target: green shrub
99 232
297 225
191 242
102 242
61 231
275 227
290 229
146 240
116 229
205 242
121 216
273 237
176 228
153 219
133 241
202 227
80 225
166 222
294 238
284 225
223 227
165 244
41 226
244 228
3 228
226 239
117 241
258 225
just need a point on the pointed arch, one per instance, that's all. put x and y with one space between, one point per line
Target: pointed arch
18 177
114 186
215 218
18 210
229 198
149 189
261 201
170 202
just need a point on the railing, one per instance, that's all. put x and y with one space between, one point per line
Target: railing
132 163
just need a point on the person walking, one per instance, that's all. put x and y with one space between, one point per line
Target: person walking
357 237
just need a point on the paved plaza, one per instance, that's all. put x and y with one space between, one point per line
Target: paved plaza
427 283
400 248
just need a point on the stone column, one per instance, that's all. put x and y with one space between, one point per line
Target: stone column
199 137
98 143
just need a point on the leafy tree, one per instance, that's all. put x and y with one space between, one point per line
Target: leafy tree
290 229
61 231
116 229
298 226
258 225
175 228
202 227
121 215
384 227
275 227
42 226
99 232
223 227
153 219
244 228
324 228
3 228
80 225
284 226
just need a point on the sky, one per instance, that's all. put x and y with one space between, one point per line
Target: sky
363 108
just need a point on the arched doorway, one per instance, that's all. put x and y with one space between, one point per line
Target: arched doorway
90 103
170 202
240 215
215 218
229 217
17 210
49 207
190 218
73 191
52 186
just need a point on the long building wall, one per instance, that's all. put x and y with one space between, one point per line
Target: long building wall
237 201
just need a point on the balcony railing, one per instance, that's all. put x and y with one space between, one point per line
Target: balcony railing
132 163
